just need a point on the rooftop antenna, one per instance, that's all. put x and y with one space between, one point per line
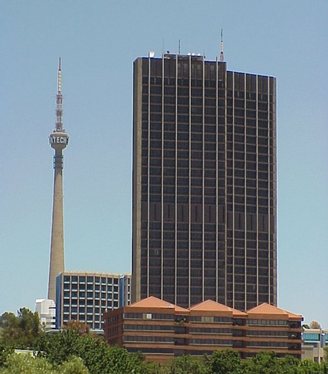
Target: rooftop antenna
179 46
59 99
221 48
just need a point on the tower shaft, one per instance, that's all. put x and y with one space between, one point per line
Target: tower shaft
57 231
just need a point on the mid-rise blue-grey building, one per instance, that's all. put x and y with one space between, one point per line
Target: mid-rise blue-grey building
84 296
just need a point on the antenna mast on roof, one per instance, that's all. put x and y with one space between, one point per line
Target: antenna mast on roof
221 47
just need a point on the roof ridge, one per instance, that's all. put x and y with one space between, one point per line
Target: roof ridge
155 302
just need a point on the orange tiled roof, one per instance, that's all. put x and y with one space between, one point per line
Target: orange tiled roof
154 302
294 316
213 306
266 308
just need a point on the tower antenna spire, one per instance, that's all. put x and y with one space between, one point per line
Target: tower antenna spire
59 99
59 76
221 47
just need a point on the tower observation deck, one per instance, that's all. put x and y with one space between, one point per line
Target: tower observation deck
58 140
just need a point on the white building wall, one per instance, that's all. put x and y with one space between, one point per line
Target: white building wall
46 310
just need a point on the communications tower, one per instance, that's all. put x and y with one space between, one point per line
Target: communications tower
58 140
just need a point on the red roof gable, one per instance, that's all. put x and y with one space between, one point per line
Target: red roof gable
213 306
154 302
266 308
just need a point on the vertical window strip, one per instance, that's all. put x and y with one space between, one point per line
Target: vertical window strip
269 203
148 176
257 190
274 137
176 185
225 191
189 202
245 189
233 189
203 182
217 181
162 185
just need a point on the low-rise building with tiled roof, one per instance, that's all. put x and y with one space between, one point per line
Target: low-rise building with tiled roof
162 330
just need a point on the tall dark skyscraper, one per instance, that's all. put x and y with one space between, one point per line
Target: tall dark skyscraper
204 183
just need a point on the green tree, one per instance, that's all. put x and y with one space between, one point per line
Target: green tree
289 364
120 361
73 366
326 353
324 367
188 365
5 351
225 362
58 347
315 325
27 364
269 363
20 331
95 353
9 328
262 363
310 367
155 368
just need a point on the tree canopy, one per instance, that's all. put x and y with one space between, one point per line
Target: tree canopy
19 331
27 364
95 353
315 325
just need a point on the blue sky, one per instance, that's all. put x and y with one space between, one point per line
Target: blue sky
98 42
